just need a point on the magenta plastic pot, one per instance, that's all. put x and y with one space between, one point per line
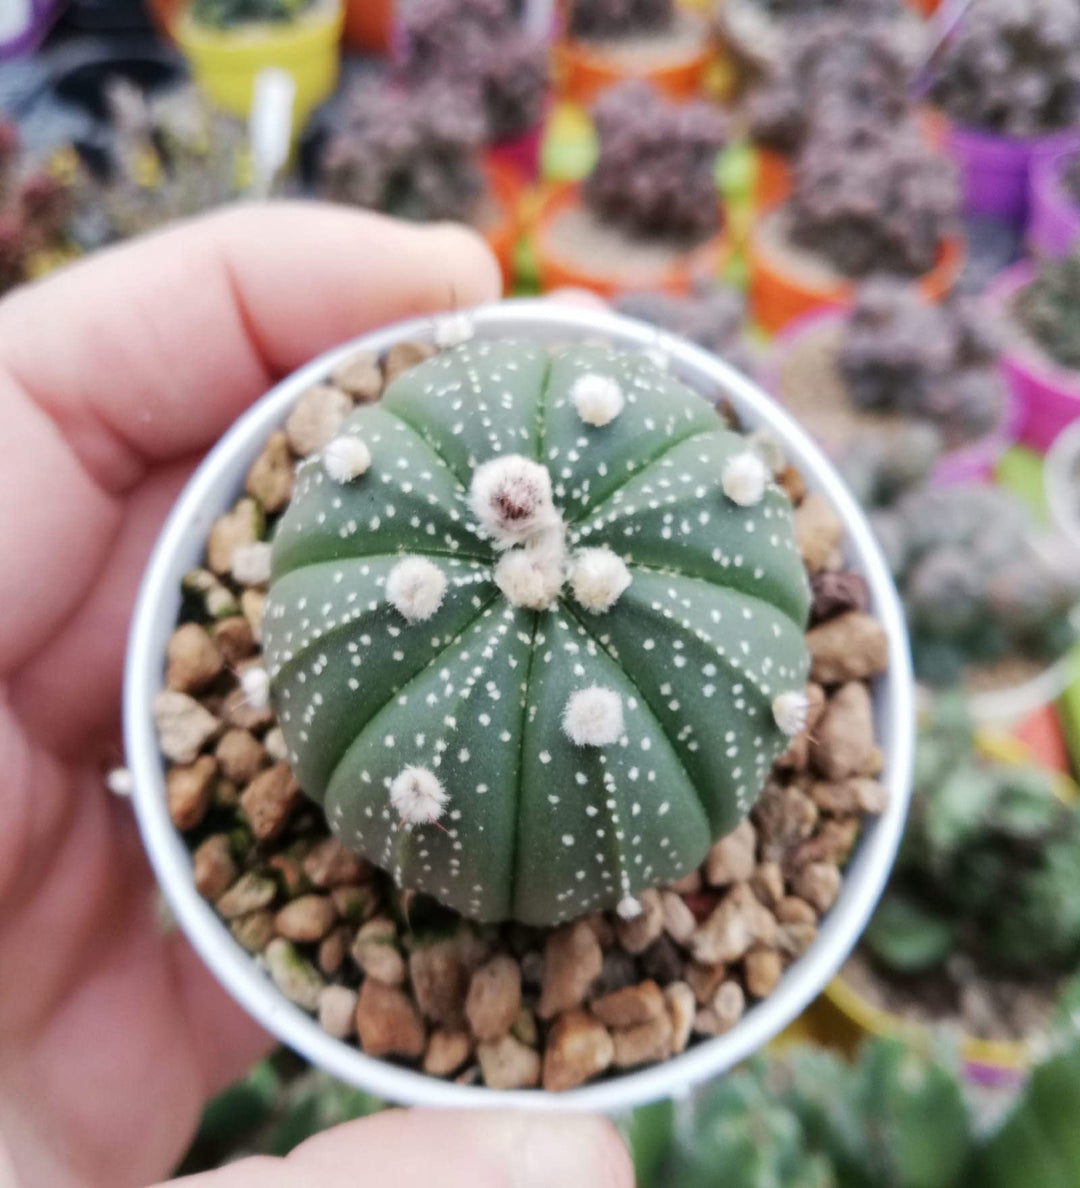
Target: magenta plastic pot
995 170
521 153
1048 394
1054 222
976 460
24 24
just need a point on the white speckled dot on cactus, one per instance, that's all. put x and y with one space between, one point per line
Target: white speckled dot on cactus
535 629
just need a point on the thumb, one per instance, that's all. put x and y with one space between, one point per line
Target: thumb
453 1150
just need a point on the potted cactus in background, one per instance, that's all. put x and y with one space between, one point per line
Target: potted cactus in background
417 155
864 200
648 214
897 359
228 43
979 929
480 48
1009 82
610 41
1039 303
492 652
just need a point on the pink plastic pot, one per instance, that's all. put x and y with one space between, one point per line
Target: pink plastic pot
970 462
1048 394
995 170
520 153
1054 224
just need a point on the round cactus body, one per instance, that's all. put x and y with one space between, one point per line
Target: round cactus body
536 654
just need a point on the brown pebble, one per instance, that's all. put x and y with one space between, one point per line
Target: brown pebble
388 1022
638 934
494 998
360 376
644 1043
507 1063
269 800
631 1006
572 961
689 884
243 525
578 1048
793 910
213 867
189 790
844 797
315 418
850 647
704 980
355 905
785 816
738 922
679 921
376 952
767 883
819 884
330 864
403 355
832 843
253 931
439 982
286 865
662 961
332 951
795 939
337 1011
183 725
525 1028
240 755
725 1010
250 892
447 1051
731 859
270 479
251 603
293 975
845 734
193 660
763 968
306 919
243 714
681 1008
602 928
817 532
234 638
837 593
791 483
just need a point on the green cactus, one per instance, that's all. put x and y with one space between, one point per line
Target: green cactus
535 629
1048 308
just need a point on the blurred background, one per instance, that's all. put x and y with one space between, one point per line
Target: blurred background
870 206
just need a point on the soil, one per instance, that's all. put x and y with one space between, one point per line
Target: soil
508 1006
964 999
802 265
649 51
601 249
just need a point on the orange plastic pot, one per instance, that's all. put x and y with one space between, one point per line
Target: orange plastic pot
925 8
503 230
369 25
778 296
583 71
557 270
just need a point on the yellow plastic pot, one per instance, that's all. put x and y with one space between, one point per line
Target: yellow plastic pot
225 62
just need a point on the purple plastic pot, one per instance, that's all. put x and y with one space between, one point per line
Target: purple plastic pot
23 26
1054 223
995 170
1047 393
967 463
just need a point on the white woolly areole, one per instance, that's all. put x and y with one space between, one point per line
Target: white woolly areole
418 796
744 479
511 499
629 908
255 686
415 588
790 710
453 330
598 578
598 399
119 782
530 578
346 458
593 717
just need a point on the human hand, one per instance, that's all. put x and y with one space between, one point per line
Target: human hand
114 377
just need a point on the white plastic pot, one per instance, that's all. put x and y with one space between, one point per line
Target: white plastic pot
213 489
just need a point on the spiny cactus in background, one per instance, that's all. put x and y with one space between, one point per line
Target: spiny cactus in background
655 172
478 46
1049 308
414 155
975 586
901 354
873 201
854 8
833 71
990 864
501 640
880 464
1013 66
619 18
713 316
172 157
228 14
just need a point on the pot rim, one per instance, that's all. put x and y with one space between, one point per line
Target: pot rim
1063 455
214 487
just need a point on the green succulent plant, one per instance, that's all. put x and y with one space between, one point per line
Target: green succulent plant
535 629
1049 308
